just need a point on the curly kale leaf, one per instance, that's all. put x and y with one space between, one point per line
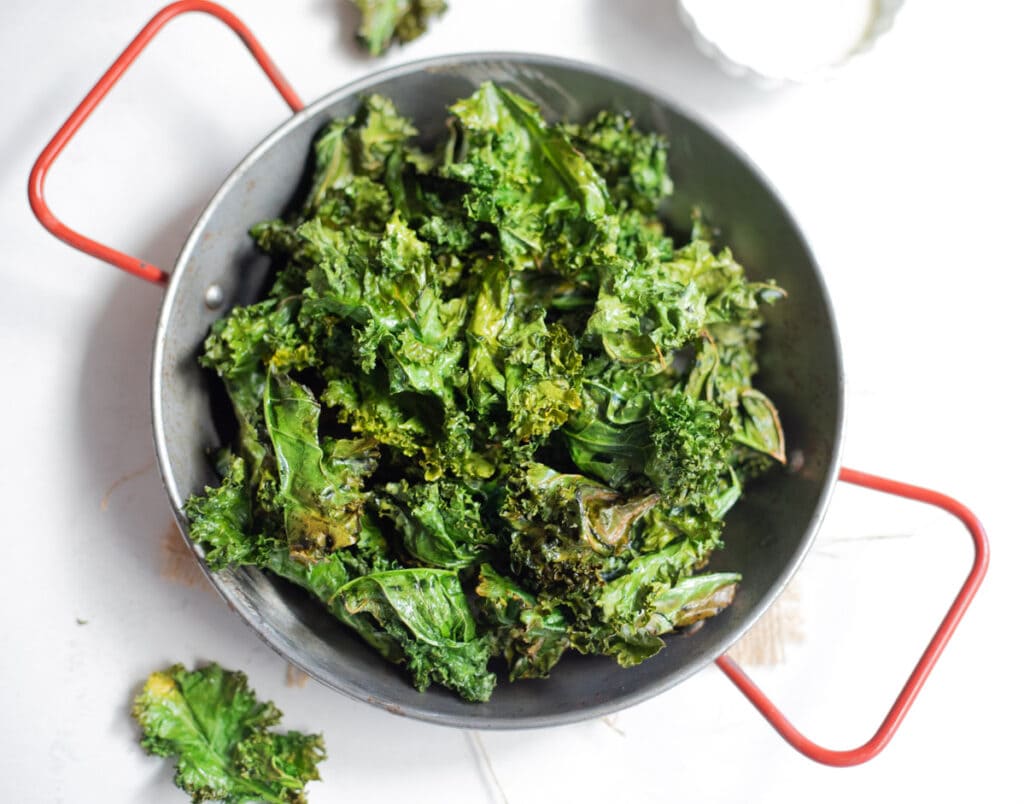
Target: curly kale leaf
690 440
656 593
221 521
632 434
565 530
239 349
388 21
723 372
220 733
531 633
653 598
398 378
542 377
320 495
667 524
633 163
515 354
422 618
725 362
385 286
609 437
490 323
357 150
525 178
439 523
324 579
647 309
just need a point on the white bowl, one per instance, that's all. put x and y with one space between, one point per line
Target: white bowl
777 42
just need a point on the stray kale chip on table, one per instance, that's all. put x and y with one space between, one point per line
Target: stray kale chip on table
490 410
219 733
387 21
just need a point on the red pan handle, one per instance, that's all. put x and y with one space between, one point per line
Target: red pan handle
892 721
37 179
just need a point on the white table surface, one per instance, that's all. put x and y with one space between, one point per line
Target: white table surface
906 175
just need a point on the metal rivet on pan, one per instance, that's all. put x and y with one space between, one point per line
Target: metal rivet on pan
214 296
795 461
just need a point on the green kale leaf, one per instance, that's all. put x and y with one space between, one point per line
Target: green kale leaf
387 21
439 523
564 530
609 437
525 178
531 633
320 495
222 521
220 733
633 163
423 618
690 439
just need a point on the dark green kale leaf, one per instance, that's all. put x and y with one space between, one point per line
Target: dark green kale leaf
387 21
542 377
565 530
421 618
609 437
239 349
492 320
545 199
358 165
647 309
667 524
723 372
633 163
514 354
657 591
725 359
220 733
439 523
403 385
655 596
690 440
320 495
531 633
222 521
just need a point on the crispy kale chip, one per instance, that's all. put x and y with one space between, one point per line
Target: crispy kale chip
490 408
531 633
439 523
422 618
565 529
220 734
656 595
633 163
319 490
525 178
222 520
388 21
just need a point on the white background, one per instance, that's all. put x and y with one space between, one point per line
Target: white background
906 175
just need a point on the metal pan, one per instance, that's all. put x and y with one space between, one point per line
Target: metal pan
769 532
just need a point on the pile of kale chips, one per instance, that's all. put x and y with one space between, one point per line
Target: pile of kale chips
488 406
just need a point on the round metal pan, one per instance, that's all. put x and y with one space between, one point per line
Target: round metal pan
767 534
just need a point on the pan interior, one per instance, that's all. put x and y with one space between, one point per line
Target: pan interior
766 534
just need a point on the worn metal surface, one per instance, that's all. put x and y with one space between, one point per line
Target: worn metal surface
767 534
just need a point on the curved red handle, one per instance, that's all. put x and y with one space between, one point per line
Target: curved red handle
892 721
37 179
